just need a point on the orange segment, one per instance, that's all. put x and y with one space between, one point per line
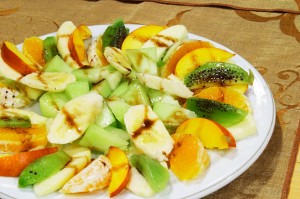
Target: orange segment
138 37
33 49
182 50
196 58
226 95
188 157
100 52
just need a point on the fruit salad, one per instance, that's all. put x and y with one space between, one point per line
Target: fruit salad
122 111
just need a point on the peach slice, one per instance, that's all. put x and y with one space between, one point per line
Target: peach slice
16 59
76 44
182 50
120 170
212 134
188 157
138 37
226 95
196 58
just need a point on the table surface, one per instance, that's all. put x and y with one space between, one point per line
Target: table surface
266 33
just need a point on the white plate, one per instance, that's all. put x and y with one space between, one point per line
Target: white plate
225 165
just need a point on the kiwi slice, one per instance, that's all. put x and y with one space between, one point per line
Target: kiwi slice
16 121
217 74
224 114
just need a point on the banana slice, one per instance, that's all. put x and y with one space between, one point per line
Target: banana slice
171 85
166 38
63 35
95 55
74 118
148 132
48 81
117 59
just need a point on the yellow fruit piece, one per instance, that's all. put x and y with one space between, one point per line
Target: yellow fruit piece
33 49
188 157
120 170
182 50
95 176
226 95
138 37
100 52
196 58
211 134
242 88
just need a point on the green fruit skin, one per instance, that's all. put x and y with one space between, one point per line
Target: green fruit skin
224 114
15 122
43 168
50 49
217 74
155 174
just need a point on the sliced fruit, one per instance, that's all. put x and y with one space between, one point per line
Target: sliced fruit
117 59
100 139
16 60
39 170
226 95
171 86
181 51
138 185
76 89
52 102
13 165
114 35
95 176
188 158
218 74
198 57
106 117
81 157
165 39
74 118
48 81
156 175
139 36
148 132
50 49
33 48
120 170
35 118
12 94
33 93
8 72
76 44
242 88
63 36
56 64
95 54
211 134
136 94
14 120
18 139
118 108
225 114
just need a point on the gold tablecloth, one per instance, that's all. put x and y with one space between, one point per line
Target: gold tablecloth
266 33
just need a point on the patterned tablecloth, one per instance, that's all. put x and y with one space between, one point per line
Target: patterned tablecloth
266 33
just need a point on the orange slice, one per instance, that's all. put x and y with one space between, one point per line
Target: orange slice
33 49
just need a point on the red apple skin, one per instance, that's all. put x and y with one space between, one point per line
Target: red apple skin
16 60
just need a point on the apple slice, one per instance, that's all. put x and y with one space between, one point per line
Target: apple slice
212 134
16 60
76 44
120 170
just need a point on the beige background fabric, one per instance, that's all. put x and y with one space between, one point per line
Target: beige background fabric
270 41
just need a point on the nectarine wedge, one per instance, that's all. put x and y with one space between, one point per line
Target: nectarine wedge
120 170
16 59
212 134
196 58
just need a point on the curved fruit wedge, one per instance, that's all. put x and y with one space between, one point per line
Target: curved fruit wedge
225 95
95 55
196 58
33 49
148 132
182 50
188 158
117 59
48 81
95 176
138 37
74 118
76 44
13 165
120 170
171 86
211 134
218 74
63 36
16 59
